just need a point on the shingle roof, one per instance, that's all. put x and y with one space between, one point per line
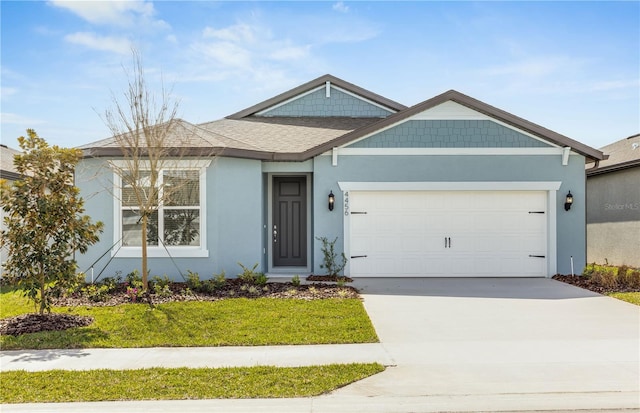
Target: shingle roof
491 111
285 135
184 138
300 138
7 169
623 154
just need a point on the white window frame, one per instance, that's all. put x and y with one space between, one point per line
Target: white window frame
157 251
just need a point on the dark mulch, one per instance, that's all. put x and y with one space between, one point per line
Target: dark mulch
232 288
33 323
329 278
586 283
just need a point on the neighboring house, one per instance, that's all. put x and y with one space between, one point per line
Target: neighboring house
8 172
613 205
449 187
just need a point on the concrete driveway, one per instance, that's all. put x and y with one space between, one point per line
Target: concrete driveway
501 344
463 345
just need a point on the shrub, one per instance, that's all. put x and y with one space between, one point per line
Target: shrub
330 259
250 276
193 281
613 277
295 280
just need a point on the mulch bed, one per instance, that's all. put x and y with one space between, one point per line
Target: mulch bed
329 278
584 282
32 323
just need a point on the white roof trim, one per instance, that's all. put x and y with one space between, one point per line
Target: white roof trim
450 110
451 186
446 151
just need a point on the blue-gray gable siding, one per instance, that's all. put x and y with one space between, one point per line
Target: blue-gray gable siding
338 104
449 134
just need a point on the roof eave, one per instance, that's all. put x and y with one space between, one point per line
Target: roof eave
313 84
473 104
613 168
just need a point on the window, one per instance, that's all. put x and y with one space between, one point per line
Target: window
177 224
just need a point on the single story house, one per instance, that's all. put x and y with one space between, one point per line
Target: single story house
8 172
613 205
450 187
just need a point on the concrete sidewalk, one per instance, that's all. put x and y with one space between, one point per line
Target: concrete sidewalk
456 345
138 358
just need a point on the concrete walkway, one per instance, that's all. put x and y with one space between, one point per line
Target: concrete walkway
452 344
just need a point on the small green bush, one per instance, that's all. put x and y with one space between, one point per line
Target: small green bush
250 276
330 260
613 277
295 280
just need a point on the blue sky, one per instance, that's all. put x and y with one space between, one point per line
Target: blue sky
572 67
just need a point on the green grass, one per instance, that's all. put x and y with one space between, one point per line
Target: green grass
633 297
230 322
178 384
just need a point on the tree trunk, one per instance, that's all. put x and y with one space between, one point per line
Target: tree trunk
145 281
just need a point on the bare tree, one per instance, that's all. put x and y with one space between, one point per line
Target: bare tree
149 135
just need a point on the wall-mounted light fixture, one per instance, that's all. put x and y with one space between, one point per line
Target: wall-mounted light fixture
568 201
332 200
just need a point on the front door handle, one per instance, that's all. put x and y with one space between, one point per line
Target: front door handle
275 234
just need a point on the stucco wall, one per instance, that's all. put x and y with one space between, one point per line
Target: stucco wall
571 234
613 218
233 227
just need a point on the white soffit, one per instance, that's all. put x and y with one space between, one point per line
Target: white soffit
450 110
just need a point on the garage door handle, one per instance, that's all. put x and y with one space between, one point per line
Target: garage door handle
537 256
358 256
447 242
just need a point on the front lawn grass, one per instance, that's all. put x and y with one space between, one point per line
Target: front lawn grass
57 386
632 297
229 322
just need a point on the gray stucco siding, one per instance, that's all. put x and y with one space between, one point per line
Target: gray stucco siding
613 217
338 104
570 237
449 134
234 193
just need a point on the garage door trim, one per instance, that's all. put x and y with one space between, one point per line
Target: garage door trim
550 186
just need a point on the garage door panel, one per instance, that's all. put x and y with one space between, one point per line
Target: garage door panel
448 233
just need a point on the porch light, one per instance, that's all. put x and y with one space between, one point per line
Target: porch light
568 201
332 200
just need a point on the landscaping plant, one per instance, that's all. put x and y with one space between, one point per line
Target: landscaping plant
330 257
44 221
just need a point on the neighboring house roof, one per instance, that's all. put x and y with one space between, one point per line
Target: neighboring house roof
248 135
7 169
623 154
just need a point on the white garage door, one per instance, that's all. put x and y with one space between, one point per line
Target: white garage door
448 234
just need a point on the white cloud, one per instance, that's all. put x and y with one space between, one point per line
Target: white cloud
5 92
340 7
291 53
118 45
608 85
116 13
226 54
12 118
535 67
239 33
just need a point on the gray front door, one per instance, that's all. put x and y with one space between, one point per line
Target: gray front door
289 228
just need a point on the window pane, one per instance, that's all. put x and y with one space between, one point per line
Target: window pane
133 188
182 188
182 227
132 229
